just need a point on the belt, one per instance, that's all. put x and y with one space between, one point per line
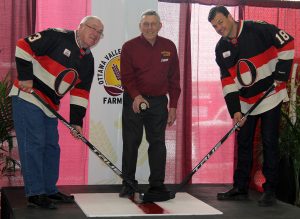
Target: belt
153 97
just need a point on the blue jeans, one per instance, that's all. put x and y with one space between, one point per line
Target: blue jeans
39 151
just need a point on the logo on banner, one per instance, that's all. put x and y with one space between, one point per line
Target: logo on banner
109 76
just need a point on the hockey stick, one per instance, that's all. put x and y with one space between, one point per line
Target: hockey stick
213 150
138 196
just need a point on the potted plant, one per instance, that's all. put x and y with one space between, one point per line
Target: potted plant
289 138
8 164
289 148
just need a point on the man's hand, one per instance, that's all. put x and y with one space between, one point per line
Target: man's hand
26 86
136 103
79 129
237 117
279 82
171 116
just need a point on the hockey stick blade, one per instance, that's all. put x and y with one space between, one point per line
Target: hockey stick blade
153 197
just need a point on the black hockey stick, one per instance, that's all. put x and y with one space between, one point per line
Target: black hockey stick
139 197
213 150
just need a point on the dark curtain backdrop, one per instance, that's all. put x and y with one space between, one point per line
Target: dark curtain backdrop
73 153
176 26
257 3
201 114
17 19
287 19
183 149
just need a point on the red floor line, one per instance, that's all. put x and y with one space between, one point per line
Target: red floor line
151 208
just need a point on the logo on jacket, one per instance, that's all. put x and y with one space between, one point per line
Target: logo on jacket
108 73
67 52
165 56
226 54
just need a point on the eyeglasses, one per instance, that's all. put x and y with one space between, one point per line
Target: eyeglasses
100 32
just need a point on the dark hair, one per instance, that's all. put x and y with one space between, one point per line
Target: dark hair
217 9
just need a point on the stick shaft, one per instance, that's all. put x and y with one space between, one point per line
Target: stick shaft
84 140
224 138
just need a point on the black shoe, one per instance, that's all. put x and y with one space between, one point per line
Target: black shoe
267 199
158 189
233 194
61 198
126 192
40 201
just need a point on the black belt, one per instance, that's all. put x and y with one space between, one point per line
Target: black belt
146 96
153 97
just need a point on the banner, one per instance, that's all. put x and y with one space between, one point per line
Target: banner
121 22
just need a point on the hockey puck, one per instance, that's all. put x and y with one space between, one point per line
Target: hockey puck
143 106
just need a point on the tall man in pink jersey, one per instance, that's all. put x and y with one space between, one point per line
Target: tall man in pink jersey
149 72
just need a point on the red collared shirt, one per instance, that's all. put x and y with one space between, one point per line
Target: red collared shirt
150 70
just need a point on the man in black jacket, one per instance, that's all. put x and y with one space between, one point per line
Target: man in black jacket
252 55
50 62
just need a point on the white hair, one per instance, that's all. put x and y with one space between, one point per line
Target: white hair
90 17
150 12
